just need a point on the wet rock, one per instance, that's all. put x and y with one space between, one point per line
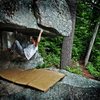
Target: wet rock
51 15
71 87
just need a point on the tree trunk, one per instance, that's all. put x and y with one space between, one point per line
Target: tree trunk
66 52
91 43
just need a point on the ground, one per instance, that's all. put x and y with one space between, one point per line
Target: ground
79 68
87 74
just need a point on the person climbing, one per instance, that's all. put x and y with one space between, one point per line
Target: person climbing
25 49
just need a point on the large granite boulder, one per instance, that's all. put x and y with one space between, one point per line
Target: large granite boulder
34 62
51 15
71 87
7 60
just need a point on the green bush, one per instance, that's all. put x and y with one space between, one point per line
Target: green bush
50 49
93 70
95 55
76 70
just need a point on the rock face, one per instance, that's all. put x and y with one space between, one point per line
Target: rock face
55 14
35 61
51 15
72 87
19 62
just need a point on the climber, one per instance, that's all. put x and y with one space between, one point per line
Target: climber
24 49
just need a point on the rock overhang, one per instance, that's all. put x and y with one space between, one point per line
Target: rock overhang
51 15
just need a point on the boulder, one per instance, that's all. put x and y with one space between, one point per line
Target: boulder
50 15
55 14
34 62
16 61
71 87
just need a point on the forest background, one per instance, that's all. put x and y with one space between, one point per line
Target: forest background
86 19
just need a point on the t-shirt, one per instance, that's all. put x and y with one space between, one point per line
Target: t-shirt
29 51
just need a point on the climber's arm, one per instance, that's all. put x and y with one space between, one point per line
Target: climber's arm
39 37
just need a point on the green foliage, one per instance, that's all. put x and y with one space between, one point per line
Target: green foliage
95 56
93 70
50 49
76 70
83 33
77 48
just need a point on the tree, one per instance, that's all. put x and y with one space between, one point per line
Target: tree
91 43
95 16
66 52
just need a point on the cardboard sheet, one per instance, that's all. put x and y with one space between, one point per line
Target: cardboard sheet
10 74
41 79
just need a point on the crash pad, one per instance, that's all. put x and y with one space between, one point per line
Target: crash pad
41 79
